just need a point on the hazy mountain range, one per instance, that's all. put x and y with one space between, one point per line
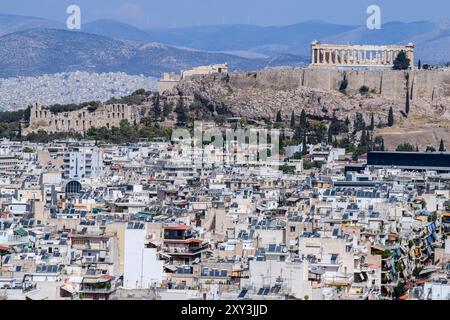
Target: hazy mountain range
31 46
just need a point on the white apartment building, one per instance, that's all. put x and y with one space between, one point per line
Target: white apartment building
83 162
142 269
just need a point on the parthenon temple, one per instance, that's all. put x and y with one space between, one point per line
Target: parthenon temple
358 55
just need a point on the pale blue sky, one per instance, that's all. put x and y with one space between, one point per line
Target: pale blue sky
170 13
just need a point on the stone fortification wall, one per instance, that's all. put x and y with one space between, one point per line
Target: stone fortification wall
79 121
264 93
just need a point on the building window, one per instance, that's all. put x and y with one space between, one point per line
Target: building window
73 187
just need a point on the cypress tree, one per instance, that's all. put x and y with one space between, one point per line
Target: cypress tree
407 102
157 108
442 146
279 119
335 143
330 136
304 146
297 134
293 120
167 109
182 115
347 124
391 117
281 140
303 120
365 138
19 134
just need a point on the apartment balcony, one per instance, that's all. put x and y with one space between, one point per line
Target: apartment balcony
96 260
98 285
90 247
9 240
214 274
185 250
98 290
337 280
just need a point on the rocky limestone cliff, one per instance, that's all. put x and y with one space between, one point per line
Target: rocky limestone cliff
262 94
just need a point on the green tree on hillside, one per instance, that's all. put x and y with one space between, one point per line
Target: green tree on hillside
304 145
391 117
405 147
138 92
279 118
402 62
343 85
167 109
407 102
372 123
303 120
330 135
156 107
378 144
347 124
359 123
19 132
293 120
182 115
442 146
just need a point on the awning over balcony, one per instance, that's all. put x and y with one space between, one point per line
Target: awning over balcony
171 267
101 279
